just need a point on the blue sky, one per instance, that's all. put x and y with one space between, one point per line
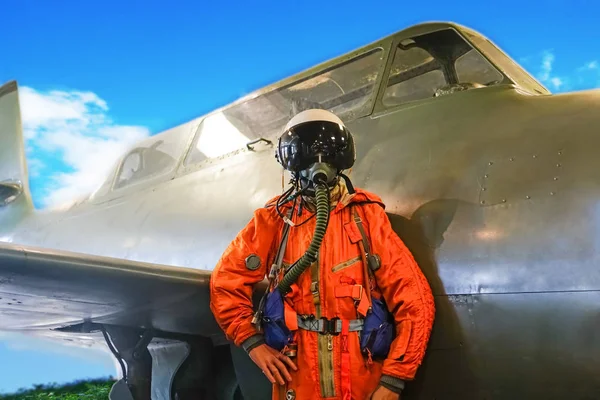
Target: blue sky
96 77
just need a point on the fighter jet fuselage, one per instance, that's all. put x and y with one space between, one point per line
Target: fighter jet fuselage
488 178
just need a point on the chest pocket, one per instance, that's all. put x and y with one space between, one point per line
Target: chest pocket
352 230
351 275
351 264
356 234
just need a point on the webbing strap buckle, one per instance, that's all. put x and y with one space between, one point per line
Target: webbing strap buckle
314 287
357 293
326 326
329 327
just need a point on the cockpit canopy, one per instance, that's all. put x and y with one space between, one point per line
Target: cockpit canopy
413 66
437 59
435 64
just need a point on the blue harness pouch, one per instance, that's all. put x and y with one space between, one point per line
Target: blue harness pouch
378 329
276 333
271 313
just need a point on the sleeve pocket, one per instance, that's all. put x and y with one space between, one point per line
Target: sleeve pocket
400 343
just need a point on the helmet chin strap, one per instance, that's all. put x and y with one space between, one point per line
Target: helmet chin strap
348 183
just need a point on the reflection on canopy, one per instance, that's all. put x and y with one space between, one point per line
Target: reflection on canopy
219 136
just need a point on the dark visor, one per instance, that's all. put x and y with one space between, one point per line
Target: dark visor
300 146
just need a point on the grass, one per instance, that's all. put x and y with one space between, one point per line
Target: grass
94 389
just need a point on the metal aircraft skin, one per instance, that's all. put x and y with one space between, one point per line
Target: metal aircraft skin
491 180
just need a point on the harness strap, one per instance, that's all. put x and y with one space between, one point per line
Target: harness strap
362 230
364 253
273 274
314 284
356 292
281 250
324 326
373 260
345 364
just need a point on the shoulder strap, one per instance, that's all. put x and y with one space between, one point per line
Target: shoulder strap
362 230
365 248
372 259
257 318
281 250
364 252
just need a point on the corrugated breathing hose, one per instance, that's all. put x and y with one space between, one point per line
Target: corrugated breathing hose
310 256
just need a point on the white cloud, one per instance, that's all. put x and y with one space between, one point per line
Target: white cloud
547 61
546 76
588 75
55 108
71 142
570 76
556 82
34 167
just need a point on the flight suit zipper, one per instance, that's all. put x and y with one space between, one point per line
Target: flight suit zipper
325 344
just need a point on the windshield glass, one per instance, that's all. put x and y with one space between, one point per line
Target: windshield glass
507 64
434 64
347 89
152 157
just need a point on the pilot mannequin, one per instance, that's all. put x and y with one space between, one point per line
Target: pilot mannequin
318 335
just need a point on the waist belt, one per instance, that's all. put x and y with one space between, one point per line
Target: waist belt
328 326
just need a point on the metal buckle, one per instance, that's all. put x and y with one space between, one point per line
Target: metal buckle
329 326
314 287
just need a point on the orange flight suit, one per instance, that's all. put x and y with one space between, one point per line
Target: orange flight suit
399 280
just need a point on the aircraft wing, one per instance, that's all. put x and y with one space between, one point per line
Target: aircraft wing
53 291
